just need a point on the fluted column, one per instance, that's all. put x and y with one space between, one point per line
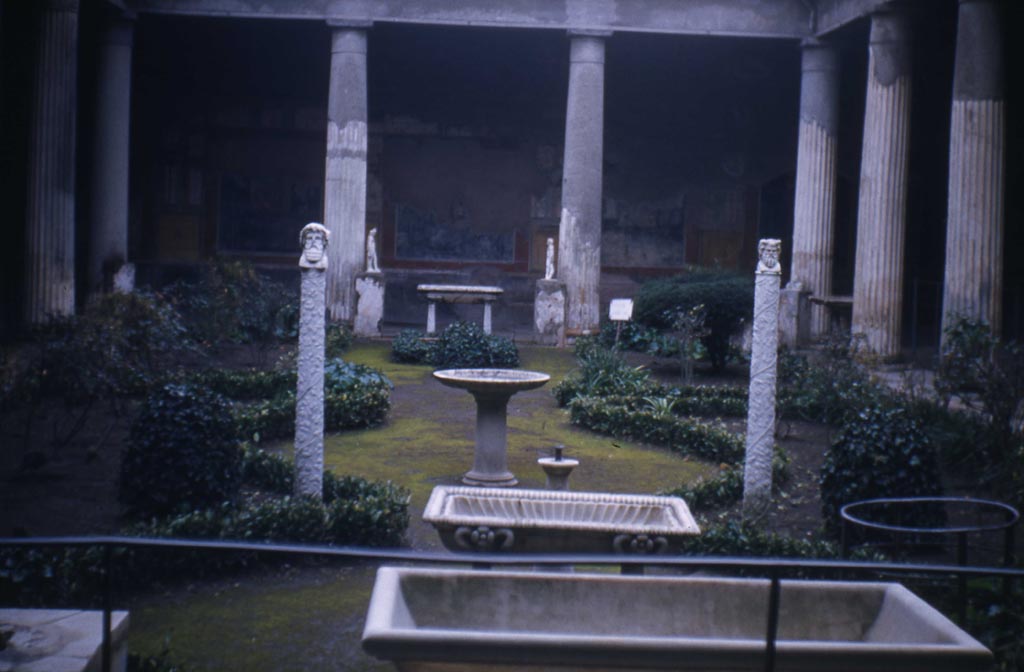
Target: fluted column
579 233
881 214
974 230
108 239
816 170
345 177
50 254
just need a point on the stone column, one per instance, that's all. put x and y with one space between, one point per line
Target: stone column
50 261
881 213
816 170
309 400
345 177
579 233
757 467
974 232
108 239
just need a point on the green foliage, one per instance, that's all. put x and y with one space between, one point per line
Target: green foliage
727 298
461 345
355 396
726 487
601 372
354 511
465 345
182 453
409 347
828 389
744 539
337 340
635 418
709 400
374 513
982 369
234 303
879 452
245 384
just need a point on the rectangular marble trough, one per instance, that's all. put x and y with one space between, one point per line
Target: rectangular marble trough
547 521
447 620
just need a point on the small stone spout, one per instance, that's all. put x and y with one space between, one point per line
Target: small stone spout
557 469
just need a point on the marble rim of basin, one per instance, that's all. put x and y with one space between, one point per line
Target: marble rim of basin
553 521
473 620
492 380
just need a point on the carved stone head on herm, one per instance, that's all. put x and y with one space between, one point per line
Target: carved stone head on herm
768 250
314 239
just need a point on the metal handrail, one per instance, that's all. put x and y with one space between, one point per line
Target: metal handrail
773 567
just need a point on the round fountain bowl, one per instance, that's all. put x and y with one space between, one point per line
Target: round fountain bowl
492 380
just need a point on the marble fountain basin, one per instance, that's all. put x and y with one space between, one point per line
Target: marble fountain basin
548 521
442 620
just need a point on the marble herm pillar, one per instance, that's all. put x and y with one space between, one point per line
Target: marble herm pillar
579 232
881 212
974 229
345 177
108 239
760 442
309 397
50 261
816 171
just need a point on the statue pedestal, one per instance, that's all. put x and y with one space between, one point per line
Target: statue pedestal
549 312
369 304
794 315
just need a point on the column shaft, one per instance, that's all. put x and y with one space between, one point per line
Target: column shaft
50 259
974 230
108 240
881 214
345 177
579 233
816 171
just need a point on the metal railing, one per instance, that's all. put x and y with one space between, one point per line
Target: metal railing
772 568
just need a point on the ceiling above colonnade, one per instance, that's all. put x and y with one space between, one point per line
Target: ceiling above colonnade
786 19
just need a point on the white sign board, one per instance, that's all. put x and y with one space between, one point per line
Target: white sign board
620 310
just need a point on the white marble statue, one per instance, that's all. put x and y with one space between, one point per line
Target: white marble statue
549 261
371 252
314 239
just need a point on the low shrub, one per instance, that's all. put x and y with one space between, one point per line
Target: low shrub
709 400
601 372
245 384
465 345
233 302
337 340
727 298
409 347
828 389
726 487
879 452
461 345
630 417
377 517
355 396
182 453
744 539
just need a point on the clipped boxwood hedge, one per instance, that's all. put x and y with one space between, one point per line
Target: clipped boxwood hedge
630 417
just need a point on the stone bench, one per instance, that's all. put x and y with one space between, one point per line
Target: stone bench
838 308
458 294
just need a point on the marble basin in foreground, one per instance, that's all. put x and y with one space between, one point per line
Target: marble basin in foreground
441 620
547 521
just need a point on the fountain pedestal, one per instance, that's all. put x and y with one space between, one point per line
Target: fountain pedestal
491 389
